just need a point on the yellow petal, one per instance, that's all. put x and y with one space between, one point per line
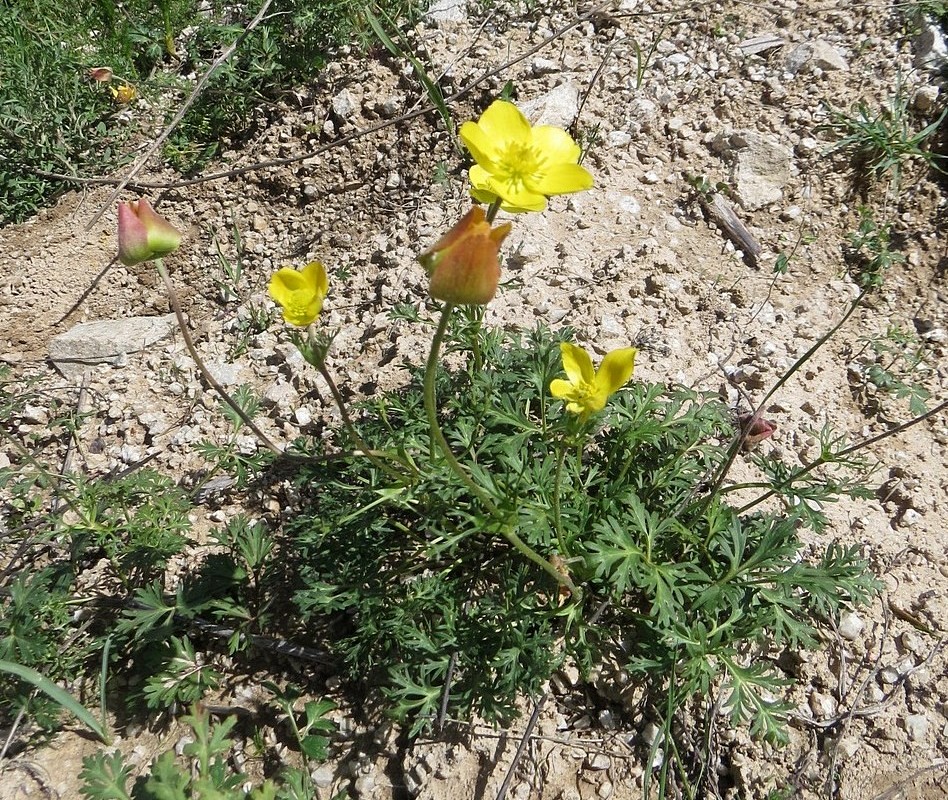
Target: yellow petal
615 371
314 274
561 389
555 145
562 179
503 122
483 149
483 196
284 283
299 293
514 197
577 364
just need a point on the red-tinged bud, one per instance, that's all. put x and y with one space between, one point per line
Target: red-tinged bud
100 74
755 429
463 264
143 235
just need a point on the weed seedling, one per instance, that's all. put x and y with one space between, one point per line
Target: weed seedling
880 144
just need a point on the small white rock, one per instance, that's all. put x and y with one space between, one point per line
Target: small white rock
598 761
909 518
850 626
916 726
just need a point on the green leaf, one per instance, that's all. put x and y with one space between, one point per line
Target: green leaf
58 695
167 781
105 777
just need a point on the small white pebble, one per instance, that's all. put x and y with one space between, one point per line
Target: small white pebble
850 626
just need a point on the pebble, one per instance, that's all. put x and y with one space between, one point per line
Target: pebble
598 761
607 719
911 642
130 454
848 747
322 776
850 626
909 518
916 726
34 415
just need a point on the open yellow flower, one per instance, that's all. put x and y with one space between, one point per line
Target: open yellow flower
586 390
124 94
463 264
300 292
519 164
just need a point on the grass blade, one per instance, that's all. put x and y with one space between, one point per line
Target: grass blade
57 694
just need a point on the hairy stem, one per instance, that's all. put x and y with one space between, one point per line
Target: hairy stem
366 451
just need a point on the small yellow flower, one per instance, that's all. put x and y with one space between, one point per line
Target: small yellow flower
518 163
463 264
586 390
300 292
124 94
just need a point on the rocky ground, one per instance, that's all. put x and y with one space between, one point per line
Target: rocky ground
734 92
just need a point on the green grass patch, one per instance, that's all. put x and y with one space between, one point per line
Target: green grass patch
55 119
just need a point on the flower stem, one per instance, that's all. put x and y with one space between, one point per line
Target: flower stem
368 452
739 439
437 439
557 517
492 210
192 350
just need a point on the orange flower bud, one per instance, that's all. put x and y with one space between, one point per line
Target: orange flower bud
463 264
142 234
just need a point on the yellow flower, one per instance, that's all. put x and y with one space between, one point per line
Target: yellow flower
124 94
143 234
300 292
587 390
463 263
520 164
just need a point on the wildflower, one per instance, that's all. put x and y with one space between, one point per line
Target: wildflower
463 264
300 292
519 164
586 390
124 94
142 234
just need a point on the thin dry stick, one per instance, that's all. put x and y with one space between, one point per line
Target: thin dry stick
189 344
522 747
13 729
143 159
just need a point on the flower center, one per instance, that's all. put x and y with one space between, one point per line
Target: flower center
585 390
519 165
298 303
